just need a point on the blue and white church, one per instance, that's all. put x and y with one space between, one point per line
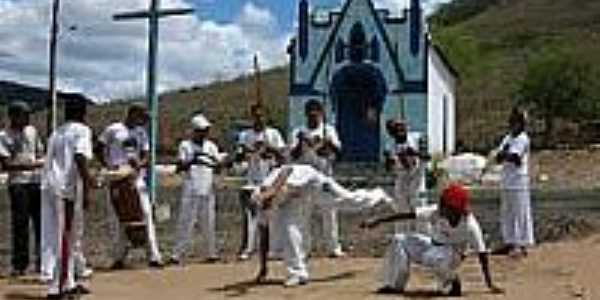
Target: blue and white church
368 65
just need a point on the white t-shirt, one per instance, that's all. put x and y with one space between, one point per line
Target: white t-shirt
412 142
123 143
324 164
465 236
60 174
513 176
259 168
198 180
21 147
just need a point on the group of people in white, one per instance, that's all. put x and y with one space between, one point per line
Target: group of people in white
285 185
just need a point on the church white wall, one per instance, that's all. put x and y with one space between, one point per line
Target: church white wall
442 87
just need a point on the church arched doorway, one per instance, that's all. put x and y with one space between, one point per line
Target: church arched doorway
358 92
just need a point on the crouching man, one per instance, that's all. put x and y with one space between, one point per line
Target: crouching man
455 230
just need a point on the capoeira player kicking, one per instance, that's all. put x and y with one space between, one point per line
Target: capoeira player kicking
455 229
67 181
287 187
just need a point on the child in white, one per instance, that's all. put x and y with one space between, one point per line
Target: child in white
456 230
290 186
198 159
516 220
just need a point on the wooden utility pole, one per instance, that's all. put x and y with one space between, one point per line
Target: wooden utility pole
153 16
258 82
52 94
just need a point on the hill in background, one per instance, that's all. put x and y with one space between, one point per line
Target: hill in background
490 42
224 103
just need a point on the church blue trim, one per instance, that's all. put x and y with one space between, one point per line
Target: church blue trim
366 66
380 27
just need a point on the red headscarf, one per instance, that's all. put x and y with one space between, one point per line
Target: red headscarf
457 198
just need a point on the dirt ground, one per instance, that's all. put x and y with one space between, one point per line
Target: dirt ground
564 270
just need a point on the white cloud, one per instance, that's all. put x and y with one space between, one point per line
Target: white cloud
396 6
107 59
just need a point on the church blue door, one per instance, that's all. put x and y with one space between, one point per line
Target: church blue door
358 92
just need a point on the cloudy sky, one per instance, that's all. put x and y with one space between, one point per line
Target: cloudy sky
105 59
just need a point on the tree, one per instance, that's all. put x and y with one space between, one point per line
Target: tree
558 85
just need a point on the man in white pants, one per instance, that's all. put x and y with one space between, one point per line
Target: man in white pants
261 149
125 144
289 187
516 219
404 160
67 184
198 159
317 144
49 238
456 229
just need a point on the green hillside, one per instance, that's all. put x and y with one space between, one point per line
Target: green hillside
494 43
224 103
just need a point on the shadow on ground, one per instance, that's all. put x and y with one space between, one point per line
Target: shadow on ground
242 288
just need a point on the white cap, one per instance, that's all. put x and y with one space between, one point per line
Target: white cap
200 122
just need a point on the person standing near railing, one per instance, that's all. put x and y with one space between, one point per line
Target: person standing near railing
21 155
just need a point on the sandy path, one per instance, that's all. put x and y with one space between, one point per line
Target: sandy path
567 270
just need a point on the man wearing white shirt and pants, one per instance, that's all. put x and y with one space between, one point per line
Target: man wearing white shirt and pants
516 218
403 158
125 144
66 181
198 159
317 144
261 149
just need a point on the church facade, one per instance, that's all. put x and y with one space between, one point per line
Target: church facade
367 66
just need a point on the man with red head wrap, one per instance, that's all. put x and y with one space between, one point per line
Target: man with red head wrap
456 231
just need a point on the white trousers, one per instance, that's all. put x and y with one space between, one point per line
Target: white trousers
290 226
329 219
192 207
405 249
516 219
121 242
50 238
407 186
62 257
